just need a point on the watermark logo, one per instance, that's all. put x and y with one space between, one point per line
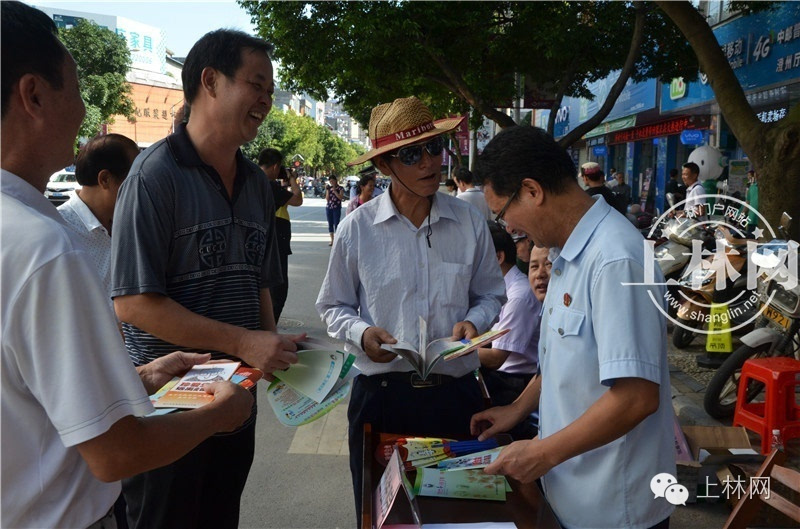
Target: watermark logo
666 486
712 256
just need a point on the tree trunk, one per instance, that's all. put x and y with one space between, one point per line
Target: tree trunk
774 149
633 54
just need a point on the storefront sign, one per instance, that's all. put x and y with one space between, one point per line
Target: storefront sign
677 88
692 137
600 150
611 126
665 128
763 49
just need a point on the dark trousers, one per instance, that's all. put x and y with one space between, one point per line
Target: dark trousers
504 388
280 292
200 490
333 218
394 406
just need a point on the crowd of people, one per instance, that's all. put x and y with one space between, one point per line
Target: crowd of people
185 246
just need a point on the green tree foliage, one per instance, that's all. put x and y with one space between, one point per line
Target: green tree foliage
321 149
462 55
103 59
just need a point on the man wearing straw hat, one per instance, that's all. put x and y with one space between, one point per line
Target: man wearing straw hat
408 253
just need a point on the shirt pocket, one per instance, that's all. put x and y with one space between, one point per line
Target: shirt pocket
450 284
566 323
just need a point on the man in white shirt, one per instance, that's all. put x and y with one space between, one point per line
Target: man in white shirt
100 169
511 361
411 252
469 193
694 205
72 403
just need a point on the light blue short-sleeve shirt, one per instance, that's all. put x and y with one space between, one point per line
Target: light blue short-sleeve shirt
582 351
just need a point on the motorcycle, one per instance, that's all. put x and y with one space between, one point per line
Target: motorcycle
777 327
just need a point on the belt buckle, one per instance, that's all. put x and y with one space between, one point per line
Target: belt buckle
431 381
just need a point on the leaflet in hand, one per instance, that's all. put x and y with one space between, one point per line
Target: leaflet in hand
311 388
477 460
425 357
189 390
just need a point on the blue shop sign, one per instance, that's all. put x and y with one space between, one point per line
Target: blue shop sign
763 49
600 150
692 137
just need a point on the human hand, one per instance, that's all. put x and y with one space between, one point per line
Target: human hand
161 370
464 329
488 423
371 342
524 461
268 351
232 403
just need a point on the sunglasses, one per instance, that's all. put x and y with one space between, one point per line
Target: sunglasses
499 218
412 154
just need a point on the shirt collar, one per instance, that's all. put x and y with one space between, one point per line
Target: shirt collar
186 154
386 208
19 189
583 231
511 276
84 213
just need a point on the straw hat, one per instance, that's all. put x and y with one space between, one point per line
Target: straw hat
403 122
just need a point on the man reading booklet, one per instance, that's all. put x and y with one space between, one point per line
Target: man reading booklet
408 253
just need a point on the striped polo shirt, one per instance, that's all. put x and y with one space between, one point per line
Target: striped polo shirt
178 233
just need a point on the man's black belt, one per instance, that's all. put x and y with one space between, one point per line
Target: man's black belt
412 379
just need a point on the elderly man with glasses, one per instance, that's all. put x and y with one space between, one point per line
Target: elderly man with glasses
411 252
606 413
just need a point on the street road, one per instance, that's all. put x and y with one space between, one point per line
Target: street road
300 478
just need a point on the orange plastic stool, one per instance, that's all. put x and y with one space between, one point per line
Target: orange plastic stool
780 410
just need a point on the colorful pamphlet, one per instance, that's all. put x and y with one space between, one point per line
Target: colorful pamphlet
477 460
419 452
244 376
189 391
471 484
426 355
315 385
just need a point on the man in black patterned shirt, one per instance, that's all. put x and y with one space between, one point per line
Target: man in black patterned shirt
194 256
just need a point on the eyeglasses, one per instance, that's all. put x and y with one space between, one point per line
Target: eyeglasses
499 217
412 154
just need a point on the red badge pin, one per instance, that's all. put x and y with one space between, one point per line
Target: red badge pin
567 300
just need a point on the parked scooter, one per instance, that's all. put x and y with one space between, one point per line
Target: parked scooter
777 328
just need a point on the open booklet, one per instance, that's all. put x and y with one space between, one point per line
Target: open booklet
312 387
426 355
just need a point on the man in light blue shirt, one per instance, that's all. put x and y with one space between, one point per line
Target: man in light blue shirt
411 252
605 415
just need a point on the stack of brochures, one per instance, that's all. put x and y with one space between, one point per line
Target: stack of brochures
459 477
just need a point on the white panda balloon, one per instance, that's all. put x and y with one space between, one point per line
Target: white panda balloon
710 160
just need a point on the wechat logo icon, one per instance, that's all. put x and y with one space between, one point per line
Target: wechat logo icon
666 486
